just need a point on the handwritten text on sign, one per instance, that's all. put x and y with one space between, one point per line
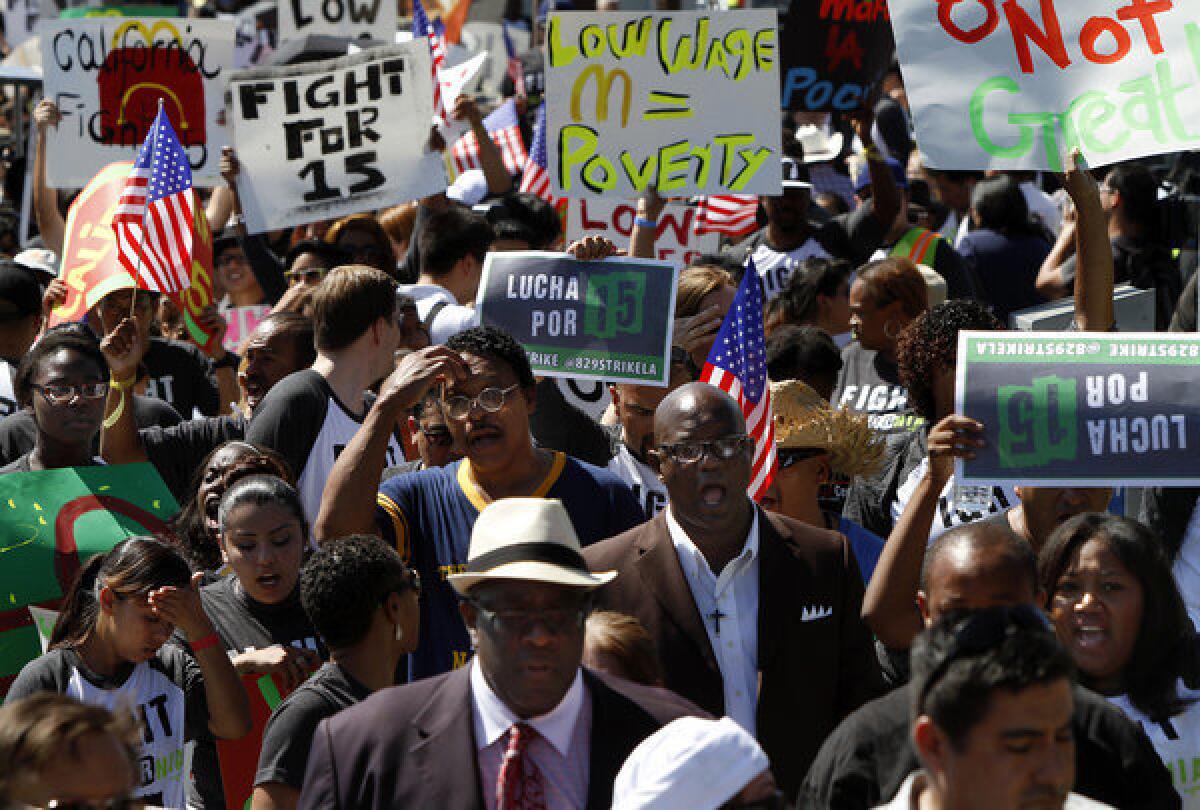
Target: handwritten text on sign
676 240
370 19
1118 78
639 100
107 76
310 137
1081 409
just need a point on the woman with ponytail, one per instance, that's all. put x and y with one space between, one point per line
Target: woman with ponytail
107 649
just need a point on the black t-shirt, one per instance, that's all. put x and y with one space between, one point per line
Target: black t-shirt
302 419
18 431
181 375
870 383
866 759
290 730
177 451
243 624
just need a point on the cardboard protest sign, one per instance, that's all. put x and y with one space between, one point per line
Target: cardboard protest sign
240 322
687 102
605 320
834 52
90 267
677 241
357 19
107 75
310 137
1081 409
239 758
1018 85
51 522
20 17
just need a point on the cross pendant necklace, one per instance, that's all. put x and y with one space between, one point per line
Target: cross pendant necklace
716 617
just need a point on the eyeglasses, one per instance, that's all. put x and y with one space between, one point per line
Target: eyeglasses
489 400
231 258
439 437
65 394
313 276
721 449
518 623
982 630
793 455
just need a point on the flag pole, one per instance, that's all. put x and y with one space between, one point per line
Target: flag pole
145 205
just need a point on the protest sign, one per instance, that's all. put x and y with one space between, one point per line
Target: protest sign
51 522
687 102
1003 87
255 33
356 19
240 322
677 241
1081 409
605 320
309 137
90 268
488 37
107 76
20 17
239 758
834 52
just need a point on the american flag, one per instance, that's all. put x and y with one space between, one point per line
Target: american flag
505 129
513 64
737 364
421 27
153 221
536 178
734 215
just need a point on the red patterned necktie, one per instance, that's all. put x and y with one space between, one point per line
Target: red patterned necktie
519 786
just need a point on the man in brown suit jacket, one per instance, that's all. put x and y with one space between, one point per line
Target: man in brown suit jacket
776 641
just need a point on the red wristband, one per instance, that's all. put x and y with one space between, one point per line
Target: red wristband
205 642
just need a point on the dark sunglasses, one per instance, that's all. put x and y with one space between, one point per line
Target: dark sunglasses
313 276
982 630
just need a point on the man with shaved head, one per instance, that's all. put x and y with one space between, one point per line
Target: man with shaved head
972 567
754 615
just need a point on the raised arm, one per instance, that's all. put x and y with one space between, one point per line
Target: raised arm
123 347
889 606
1094 263
643 236
348 504
45 199
499 181
885 195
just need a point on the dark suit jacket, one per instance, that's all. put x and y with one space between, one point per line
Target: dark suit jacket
414 745
813 669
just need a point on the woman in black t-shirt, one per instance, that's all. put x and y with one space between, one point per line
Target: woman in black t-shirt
63 380
256 611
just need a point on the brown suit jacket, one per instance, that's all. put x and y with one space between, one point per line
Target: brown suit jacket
413 746
814 669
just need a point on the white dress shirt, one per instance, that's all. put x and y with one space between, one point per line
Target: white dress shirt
561 753
734 637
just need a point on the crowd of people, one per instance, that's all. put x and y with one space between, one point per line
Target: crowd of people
470 589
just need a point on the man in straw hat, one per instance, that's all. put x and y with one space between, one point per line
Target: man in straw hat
755 615
522 726
813 443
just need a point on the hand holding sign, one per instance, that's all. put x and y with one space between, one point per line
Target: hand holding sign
952 438
124 348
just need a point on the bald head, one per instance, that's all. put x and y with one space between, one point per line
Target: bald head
979 565
692 405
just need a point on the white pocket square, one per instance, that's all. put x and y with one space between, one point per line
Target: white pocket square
812 613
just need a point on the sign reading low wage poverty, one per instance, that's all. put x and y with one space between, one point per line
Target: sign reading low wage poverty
677 241
1018 85
834 52
604 320
687 102
107 75
311 138
1081 409
51 522
357 19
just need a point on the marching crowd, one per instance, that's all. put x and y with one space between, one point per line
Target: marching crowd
474 589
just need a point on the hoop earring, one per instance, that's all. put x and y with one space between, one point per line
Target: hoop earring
887 334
